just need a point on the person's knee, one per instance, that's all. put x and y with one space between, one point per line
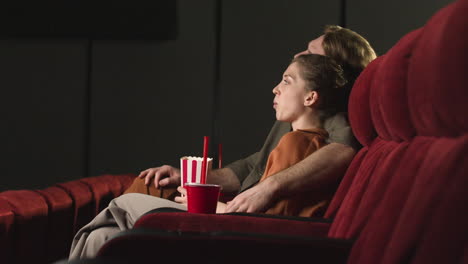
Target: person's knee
125 198
97 238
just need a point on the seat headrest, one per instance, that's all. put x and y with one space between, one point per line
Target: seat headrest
437 82
418 88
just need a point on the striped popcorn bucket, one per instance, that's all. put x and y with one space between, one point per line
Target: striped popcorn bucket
191 169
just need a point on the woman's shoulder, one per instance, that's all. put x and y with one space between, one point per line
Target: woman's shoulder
303 135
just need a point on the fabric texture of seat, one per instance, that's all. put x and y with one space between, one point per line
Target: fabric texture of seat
407 208
7 219
59 225
30 224
37 226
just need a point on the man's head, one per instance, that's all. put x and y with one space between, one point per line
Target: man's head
347 48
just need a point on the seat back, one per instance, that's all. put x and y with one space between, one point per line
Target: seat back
404 196
7 218
59 228
37 226
28 231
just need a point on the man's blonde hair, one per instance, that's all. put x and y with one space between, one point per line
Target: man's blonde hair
351 51
347 48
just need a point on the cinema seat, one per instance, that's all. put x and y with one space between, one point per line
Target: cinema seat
28 233
37 226
60 211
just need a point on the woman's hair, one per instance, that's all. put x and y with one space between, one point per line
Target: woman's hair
325 76
351 51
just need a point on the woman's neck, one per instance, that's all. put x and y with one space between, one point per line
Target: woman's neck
307 121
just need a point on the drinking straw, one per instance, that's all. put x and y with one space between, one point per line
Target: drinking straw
205 155
220 155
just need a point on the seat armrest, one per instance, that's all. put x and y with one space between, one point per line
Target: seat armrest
140 245
182 221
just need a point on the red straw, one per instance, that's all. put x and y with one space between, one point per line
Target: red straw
220 155
206 141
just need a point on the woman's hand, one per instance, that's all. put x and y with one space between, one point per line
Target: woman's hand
254 200
163 176
183 198
220 208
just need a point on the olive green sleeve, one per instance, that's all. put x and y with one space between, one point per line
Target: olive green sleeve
250 169
243 167
340 131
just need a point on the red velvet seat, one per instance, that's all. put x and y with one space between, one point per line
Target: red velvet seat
30 224
403 198
7 219
100 190
116 184
84 208
141 246
106 187
235 222
407 209
38 226
59 231
125 180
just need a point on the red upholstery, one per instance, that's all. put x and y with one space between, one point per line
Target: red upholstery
117 183
345 184
100 190
83 204
29 232
259 225
149 246
60 211
125 180
38 226
405 201
7 218
403 198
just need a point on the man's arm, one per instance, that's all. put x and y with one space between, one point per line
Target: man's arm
321 168
226 178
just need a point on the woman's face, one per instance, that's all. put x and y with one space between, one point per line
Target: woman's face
290 95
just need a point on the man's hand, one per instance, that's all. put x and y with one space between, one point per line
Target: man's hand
254 200
323 167
163 176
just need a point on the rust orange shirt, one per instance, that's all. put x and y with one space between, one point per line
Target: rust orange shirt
292 148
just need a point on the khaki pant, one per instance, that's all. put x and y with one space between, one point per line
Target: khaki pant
120 215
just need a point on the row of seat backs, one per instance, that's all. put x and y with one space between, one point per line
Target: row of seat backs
37 226
404 196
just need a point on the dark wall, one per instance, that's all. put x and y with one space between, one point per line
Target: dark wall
259 40
151 102
385 22
42 111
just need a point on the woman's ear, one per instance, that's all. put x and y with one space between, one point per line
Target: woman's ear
311 98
